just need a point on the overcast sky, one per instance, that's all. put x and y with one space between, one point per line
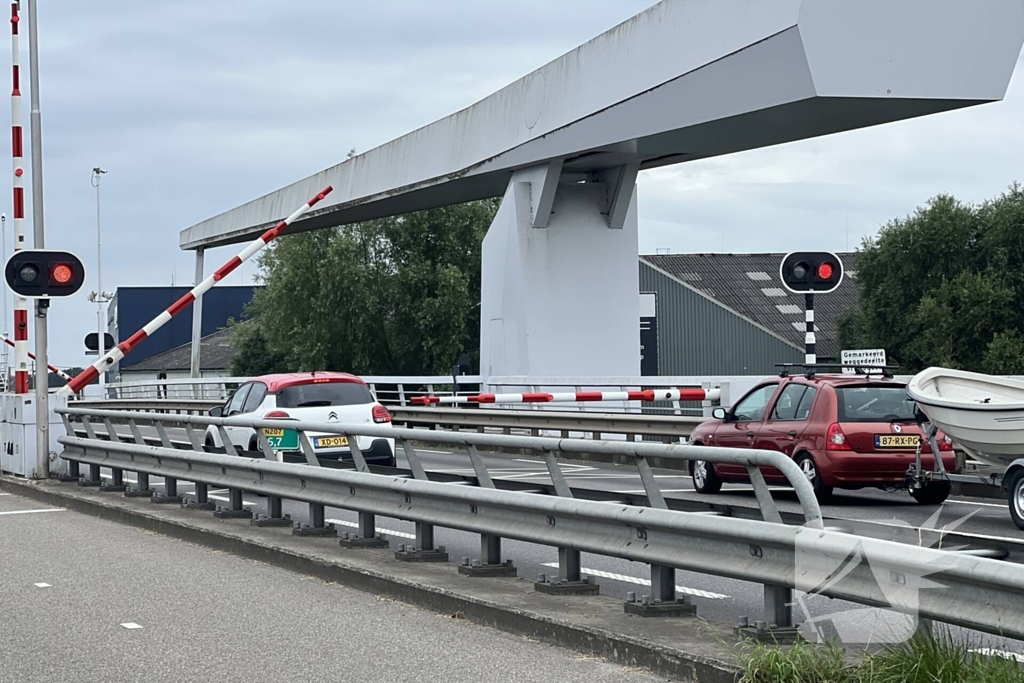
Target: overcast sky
196 107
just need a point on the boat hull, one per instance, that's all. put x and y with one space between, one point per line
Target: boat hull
983 415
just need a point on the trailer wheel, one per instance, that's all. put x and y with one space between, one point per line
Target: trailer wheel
934 493
1015 491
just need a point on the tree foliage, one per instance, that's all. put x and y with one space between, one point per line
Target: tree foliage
945 287
396 296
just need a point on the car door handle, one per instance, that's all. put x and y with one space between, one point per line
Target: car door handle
793 433
750 435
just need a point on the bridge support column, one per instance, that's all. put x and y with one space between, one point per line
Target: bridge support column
560 282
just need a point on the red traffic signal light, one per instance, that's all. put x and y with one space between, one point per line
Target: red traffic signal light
44 274
62 274
811 272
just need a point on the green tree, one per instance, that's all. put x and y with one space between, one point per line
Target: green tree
395 296
945 287
253 355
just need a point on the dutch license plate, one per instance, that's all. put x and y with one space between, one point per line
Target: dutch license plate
330 442
897 441
282 439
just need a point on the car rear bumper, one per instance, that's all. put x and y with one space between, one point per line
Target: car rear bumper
843 467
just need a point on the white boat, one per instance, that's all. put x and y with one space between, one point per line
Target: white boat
982 414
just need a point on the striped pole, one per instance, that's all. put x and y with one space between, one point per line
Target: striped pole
21 353
124 348
647 396
57 371
810 340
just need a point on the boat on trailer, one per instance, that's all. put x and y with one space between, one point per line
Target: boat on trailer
984 416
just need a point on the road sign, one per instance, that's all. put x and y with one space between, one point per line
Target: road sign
92 341
44 273
811 272
860 358
648 335
282 439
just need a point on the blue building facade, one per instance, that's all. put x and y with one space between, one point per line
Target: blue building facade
133 307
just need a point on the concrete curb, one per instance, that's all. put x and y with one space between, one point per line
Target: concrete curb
595 626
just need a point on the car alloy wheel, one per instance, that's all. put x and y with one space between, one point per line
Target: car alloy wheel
809 470
700 474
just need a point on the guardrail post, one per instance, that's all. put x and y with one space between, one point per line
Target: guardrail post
663 601
273 516
424 550
74 471
202 500
570 581
316 525
489 564
236 509
366 537
170 495
93 479
141 489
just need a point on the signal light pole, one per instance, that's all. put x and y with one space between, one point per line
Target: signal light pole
810 273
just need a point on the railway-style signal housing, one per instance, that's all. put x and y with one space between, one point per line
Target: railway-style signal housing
811 272
44 274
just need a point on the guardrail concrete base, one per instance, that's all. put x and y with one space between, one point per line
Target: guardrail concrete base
686 649
413 555
679 608
567 588
356 543
195 505
267 522
488 570
772 635
228 513
136 493
110 488
160 499
315 531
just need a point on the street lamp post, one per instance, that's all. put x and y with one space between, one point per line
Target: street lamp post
101 326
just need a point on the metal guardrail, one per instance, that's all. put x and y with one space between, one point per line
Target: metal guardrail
537 421
976 592
170 405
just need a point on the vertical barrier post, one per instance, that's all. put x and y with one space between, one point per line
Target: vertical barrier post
317 525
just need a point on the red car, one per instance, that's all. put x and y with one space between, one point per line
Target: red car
844 431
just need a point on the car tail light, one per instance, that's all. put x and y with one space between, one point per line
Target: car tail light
836 440
945 443
381 414
276 414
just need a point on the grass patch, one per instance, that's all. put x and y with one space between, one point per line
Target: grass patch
938 658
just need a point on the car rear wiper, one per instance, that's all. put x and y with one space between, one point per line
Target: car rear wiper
313 404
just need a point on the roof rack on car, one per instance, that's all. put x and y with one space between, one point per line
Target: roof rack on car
810 370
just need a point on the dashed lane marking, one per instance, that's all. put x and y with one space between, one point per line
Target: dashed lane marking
380 530
597 573
30 512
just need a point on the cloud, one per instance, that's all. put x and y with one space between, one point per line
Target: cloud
195 107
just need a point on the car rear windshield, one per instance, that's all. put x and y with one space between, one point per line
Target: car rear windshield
875 403
320 395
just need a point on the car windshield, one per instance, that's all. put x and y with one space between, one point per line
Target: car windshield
875 403
322 395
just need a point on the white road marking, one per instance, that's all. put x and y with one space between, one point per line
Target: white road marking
380 530
989 652
5 494
42 585
597 573
1002 506
131 625
425 450
29 512
662 490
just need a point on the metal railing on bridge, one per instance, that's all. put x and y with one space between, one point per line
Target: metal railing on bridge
966 588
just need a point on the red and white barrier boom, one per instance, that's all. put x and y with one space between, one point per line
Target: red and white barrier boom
125 347
21 354
647 396
57 371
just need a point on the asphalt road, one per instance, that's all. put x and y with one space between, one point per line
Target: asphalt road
87 600
718 599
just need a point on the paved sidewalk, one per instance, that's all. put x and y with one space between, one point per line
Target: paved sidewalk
74 588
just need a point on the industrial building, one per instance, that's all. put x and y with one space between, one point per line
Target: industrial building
728 314
133 307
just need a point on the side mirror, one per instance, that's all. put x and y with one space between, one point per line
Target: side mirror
217 412
719 414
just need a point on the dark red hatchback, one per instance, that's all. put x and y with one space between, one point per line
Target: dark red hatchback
844 431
